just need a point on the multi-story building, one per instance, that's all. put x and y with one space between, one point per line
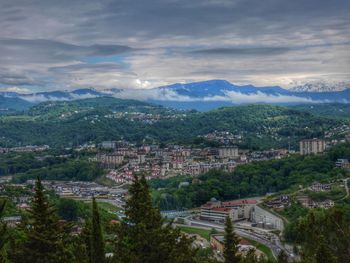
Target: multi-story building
243 208
312 146
110 161
228 152
217 211
108 145
216 214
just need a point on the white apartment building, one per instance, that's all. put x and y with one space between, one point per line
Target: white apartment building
312 146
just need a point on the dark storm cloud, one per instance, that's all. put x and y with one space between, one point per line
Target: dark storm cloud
100 67
48 51
42 38
9 78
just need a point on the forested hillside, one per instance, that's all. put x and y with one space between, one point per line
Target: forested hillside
334 110
61 124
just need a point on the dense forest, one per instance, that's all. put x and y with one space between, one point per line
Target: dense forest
61 124
29 166
334 110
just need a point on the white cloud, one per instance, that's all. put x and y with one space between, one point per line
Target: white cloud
16 89
230 96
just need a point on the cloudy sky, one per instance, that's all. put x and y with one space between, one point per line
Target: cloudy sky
68 44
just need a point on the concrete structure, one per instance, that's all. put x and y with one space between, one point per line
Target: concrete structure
242 208
108 145
217 211
213 211
266 219
110 161
228 152
216 214
312 146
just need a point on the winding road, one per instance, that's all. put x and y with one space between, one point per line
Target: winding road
274 244
346 188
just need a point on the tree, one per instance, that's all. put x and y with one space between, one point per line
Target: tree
230 243
45 235
67 209
282 257
144 237
329 226
97 243
3 231
324 254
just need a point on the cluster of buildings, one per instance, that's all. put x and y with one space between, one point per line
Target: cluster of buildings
343 163
29 148
279 203
217 243
76 188
319 187
245 209
147 118
307 202
338 134
124 159
223 137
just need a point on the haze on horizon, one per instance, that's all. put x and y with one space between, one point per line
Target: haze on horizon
60 45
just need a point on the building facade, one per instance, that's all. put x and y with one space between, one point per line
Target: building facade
312 146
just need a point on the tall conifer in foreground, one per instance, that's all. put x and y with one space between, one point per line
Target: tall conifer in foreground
45 234
144 237
3 234
282 257
230 243
96 238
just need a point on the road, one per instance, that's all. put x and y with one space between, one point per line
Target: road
346 188
273 243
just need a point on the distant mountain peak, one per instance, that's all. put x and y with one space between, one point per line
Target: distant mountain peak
321 86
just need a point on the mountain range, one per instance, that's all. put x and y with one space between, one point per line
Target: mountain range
201 96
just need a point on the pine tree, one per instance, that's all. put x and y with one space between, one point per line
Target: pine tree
46 236
250 257
323 253
230 243
282 257
97 243
144 237
3 232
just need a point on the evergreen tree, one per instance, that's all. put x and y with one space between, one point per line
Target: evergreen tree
282 257
330 226
3 232
144 237
80 249
230 243
45 235
97 243
323 253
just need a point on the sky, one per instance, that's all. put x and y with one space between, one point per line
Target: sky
139 44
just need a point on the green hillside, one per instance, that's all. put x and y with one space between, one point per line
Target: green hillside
76 122
334 110
13 104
